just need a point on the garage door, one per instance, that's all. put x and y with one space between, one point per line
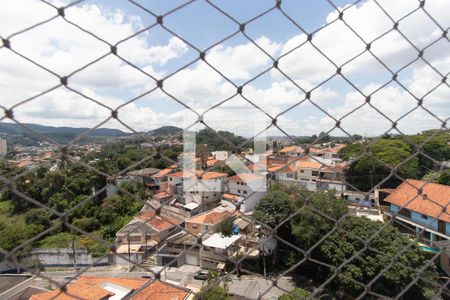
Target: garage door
191 259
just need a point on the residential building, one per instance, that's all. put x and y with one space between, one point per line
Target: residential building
284 172
308 170
95 288
199 187
208 221
291 151
217 248
159 290
142 234
220 155
310 174
159 180
3 148
249 187
146 175
425 210
146 227
179 249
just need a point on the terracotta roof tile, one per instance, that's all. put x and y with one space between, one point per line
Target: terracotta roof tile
161 291
210 217
200 174
157 222
437 197
309 164
245 177
163 173
75 291
90 288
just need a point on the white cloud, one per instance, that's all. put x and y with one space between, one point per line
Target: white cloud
64 48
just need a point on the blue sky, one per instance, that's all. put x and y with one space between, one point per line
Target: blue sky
63 48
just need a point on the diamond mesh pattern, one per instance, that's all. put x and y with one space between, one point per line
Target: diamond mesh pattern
158 85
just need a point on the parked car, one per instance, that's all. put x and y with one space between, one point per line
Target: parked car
201 275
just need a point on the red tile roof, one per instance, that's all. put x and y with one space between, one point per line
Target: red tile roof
157 222
282 168
161 291
163 173
245 177
309 165
210 217
437 197
75 291
89 288
200 174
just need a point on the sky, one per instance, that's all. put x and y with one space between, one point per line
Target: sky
246 59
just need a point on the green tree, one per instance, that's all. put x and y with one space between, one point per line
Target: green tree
39 216
212 290
375 165
226 227
274 208
86 224
295 294
315 220
349 239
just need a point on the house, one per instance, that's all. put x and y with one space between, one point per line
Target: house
197 186
216 249
183 248
179 249
221 155
145 175
159 180
145 227
159 290
331 177
250 187
331 154
95 288
208 221
291 151
308 170
283 172
139 236
426 210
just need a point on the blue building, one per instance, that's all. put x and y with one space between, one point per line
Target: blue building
422 206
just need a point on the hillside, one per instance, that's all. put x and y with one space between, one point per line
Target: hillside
166 130
16 134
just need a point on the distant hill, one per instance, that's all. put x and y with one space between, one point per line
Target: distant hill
13 128
166 130
16 134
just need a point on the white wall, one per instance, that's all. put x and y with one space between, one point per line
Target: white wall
220 155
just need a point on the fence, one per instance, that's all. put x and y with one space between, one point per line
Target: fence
371 268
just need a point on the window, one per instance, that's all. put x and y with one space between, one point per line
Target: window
315 173
245 192
289 175
194 226
302 171
239 191
405 213
423 216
